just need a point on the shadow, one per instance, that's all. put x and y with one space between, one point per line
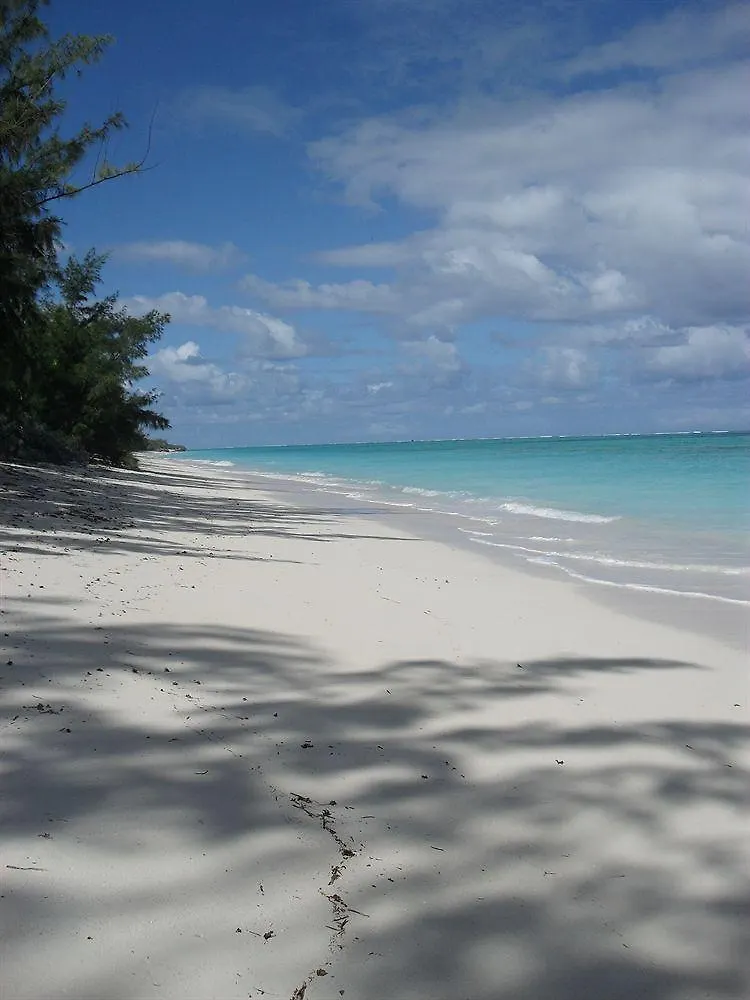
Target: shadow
501 854
146 512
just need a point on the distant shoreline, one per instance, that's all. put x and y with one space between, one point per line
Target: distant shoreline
530 437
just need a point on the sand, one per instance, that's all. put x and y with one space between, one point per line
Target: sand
252 750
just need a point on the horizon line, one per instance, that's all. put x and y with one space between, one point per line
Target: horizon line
521 437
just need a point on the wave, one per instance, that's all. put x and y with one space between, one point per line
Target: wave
384 502
650 589
555 514
603 560
317 477
468 517
341 492
549 538
423 493
210 461
512 506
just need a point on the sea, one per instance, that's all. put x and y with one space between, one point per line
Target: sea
657 514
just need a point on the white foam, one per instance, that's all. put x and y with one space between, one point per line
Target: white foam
469 517
549 538
312 480
647 588
603 560
320 478
671 567
210 461
421 492
556 515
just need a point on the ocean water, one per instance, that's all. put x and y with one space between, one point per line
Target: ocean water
666 513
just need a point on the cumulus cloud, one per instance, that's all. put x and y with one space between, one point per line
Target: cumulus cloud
181 308
710 352
211 391
196 256
566 368
438 354
263 336
434 360
638 331
253 109
597 204
185 368
368 255
358 295
595 209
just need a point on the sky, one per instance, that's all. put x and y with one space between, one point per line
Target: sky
407 219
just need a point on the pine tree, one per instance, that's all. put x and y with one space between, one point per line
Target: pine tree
40 168
91 360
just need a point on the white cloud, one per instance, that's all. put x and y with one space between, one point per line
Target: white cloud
611 222
597 204
711 352
254 109
639 331
263 336
437 353
355 295
609 291
442 315
368 255
474 408
181 308
185 368
175 362
436 360
197 256
246 390
680 38
566 368
375 387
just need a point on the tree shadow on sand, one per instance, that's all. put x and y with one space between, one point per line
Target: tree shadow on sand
516 860
84 508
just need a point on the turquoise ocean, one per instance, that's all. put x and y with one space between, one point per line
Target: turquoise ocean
663 513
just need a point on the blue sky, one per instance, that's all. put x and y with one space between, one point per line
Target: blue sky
388 219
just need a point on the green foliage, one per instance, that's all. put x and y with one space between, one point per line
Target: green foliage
92 353
161 444
68 364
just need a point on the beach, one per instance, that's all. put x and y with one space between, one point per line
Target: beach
253 746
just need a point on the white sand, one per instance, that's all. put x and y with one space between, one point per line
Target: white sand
546 799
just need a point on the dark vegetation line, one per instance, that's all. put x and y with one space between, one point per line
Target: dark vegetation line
70 362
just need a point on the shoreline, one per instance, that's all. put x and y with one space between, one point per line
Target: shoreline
716 616
288 746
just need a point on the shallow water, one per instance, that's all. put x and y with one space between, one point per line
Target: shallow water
658 513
